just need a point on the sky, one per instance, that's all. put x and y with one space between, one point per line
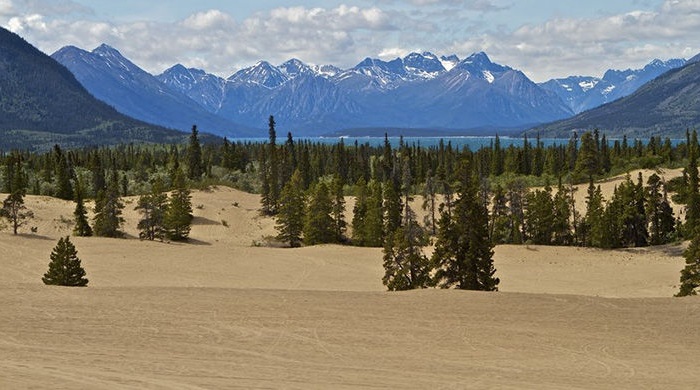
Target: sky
544 39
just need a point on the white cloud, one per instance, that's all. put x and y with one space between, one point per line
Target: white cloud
6 8
343 35
565 46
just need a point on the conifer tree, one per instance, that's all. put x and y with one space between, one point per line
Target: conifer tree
391 208
177 220
633 217
659 212
338 208
359 212
561 217
692 215
290 218
64 188
272 168
430 203
499 229
98 175
515 195
194 156
13 208
463 252
108 210
587 159
152 207
406 267
319 227
374 221
612 221
690 275
65 268
539 216
593 220
82 225
173 165
289 160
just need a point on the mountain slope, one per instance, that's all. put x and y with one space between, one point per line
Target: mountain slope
205 89
41 103
665 106
112 78
416 91
582 93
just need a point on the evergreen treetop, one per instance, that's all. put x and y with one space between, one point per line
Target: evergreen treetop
65 268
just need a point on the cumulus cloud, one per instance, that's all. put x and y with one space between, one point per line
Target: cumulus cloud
565 46
342 35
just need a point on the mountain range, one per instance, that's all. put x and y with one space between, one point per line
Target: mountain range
421 93
41 104
665 106
583 93
114 79
421 90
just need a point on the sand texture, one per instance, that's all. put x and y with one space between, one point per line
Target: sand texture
221 312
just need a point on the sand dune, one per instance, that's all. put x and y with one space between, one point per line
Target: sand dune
221 312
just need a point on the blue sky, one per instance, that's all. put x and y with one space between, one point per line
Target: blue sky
544 39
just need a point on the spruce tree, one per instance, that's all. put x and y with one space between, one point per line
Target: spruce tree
692 215
359 212
64 267
430 203
463 256
13 208
270 171
64 188
338 208
374 219
406 267
391 208
561 213
659 212
539 216
152 207
108 210
194 156
82 225
515 195
499 229
177 220
593 220
587 159
290 218
319 227
690 275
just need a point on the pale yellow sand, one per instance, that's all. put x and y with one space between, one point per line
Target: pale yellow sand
221 313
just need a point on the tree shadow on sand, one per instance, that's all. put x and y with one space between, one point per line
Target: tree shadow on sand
204 221
34 236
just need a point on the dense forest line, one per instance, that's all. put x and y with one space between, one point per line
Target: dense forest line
472 199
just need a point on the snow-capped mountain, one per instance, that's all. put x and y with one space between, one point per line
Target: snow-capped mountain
582 93
476 92
420 90
204 88
263 74
112 78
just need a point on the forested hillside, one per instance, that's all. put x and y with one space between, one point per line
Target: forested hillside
42 104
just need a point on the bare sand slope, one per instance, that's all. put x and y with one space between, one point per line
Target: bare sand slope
220 312
205 338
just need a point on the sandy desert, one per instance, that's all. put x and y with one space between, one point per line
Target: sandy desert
228 311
